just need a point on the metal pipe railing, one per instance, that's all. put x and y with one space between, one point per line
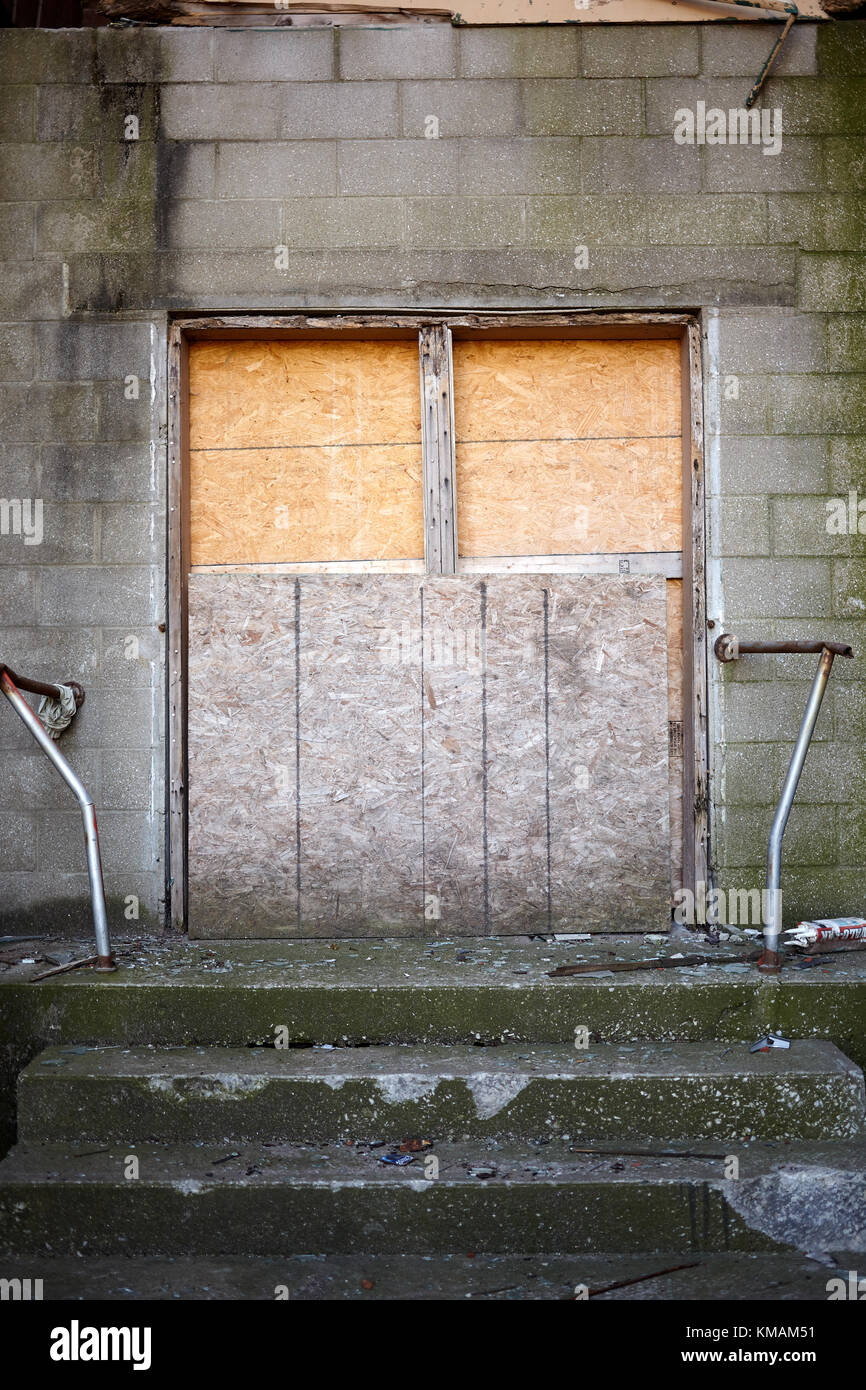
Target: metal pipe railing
9 684
729 648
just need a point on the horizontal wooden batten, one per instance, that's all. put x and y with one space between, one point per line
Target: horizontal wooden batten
318 567
665 562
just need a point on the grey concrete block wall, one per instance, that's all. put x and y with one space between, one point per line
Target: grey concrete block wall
426 166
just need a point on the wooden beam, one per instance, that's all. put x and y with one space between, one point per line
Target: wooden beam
437 444
178 531
695 787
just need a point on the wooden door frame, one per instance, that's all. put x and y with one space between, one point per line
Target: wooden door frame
434 331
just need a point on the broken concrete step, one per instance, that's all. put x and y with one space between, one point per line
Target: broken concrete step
641 1092
284 1200
417 1278
335 1200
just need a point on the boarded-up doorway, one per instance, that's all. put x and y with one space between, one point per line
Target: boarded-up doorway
435 651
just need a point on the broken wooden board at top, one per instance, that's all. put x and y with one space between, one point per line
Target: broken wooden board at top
388 755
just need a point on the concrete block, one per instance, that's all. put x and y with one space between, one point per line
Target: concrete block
847 464
327 110
743 526
98 596
665 96
17 230
46 411
732 50
160 55
653 165
126 841
462 108
274 55
96 472
845 168
832 284
771 712
463 222
240 111
41 171
769 589
186 169
130 658
590 222
70 112
71 227
30 291
54 653
394 167
226 224
520 52
39 55
129 533
549 166
52 533
122 419
620 50
834 772
360 222
582 107
17 114
846 341
93 351
827 107
849 588
817 404
427 51
130 170
768 341
707 220
17 351
17 842
798 167
749 774
287 169
841 49
18 589
810 837
30 781
774 464
800 528
126 780
849 702
119 718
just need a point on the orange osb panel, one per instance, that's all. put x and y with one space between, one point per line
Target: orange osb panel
568 446
304 452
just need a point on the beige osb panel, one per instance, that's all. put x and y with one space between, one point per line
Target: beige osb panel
568 446
458 755
304 451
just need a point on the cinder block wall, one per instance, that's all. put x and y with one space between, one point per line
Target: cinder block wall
424 166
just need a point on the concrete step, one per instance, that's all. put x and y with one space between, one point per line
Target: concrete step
414 1278
235 994
642 1092
259 1199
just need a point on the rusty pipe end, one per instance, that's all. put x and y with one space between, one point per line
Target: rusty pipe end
105 965
770 963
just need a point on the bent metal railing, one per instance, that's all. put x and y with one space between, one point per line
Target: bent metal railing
729 648
12 685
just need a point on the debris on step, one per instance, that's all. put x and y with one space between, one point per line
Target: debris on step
657 963
769 1042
